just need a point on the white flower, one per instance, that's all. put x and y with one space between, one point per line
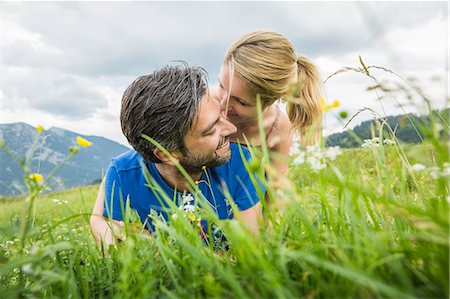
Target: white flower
6 244
371 143
333 152
434 172
313 148
375 142
300 159
367 143
189 208
174 216
317 157
418 167
316 164
59 201
187 198
295 149
27 268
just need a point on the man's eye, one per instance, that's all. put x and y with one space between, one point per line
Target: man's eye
211 132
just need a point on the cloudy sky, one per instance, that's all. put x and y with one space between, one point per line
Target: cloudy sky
66 64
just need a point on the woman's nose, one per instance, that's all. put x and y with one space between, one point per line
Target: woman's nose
223 97
229 127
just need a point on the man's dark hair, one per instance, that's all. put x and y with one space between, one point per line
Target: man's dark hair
163 106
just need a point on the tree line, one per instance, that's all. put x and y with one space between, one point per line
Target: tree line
407 128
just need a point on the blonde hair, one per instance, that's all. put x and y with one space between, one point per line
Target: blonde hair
267 63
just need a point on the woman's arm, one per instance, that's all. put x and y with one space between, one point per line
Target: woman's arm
104 231
279 144
252 218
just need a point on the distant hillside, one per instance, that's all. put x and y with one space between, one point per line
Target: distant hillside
84 168
402 125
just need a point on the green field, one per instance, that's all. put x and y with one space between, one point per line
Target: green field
367 225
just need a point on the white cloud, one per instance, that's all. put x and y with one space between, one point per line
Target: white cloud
67 64
51 91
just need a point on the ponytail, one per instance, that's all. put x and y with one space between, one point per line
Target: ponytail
303 102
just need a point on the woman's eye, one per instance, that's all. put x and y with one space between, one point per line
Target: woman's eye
241 102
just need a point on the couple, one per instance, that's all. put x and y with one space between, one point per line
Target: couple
201 128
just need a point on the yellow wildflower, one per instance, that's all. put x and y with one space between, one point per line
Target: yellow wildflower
191 217
335 104
36 177
40 129
325 107
83 142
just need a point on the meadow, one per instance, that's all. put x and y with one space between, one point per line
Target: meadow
370 224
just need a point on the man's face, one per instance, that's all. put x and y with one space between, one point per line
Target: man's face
207 142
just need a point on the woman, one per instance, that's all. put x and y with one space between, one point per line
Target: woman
264 64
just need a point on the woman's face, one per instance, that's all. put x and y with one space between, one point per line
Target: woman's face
236 98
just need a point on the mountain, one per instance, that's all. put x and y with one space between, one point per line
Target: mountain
408 128
86 167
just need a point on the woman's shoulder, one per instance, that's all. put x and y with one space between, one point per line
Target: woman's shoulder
284 124
281 124
281 129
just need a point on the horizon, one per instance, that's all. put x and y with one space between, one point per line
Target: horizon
129 146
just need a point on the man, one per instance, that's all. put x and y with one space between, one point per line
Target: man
174 108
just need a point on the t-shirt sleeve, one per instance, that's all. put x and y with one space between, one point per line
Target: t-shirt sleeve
247 185
114 202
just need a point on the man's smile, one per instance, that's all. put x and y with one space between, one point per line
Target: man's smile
224 144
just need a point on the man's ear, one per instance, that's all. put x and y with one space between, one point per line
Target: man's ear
161 156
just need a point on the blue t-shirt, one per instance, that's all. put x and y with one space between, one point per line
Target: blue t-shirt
125 179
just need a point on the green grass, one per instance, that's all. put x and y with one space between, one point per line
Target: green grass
52 207
363 227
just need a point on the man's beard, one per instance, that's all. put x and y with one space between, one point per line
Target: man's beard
194 162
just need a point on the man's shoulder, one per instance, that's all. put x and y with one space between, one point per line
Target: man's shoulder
128 160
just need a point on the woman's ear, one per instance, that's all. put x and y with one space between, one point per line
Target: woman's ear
164 158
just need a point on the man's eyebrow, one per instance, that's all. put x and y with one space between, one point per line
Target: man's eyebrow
210 126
